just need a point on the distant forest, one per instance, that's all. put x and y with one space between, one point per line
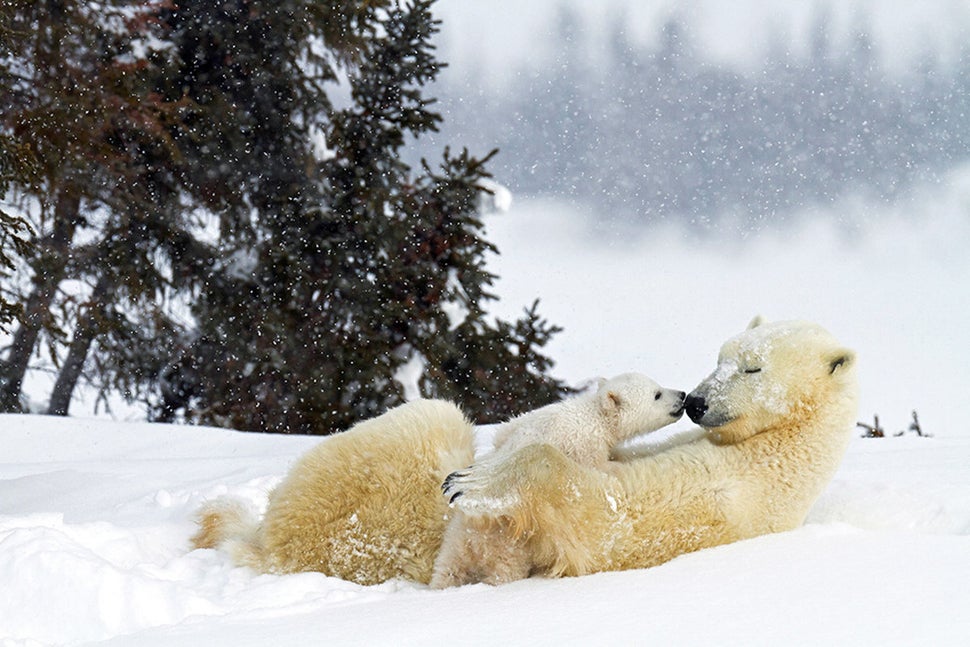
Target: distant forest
660 132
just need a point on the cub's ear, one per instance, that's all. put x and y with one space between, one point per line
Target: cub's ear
841 359
610 400
757 321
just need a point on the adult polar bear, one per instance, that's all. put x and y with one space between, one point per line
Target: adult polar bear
779 410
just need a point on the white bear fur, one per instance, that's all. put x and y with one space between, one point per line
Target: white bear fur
584 428
366 505
587 427
775 437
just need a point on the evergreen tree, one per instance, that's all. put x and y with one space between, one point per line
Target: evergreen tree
14 169
52 82
14 232
333 265
352 263
79 92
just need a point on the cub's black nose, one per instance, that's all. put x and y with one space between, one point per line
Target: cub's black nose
696 407
681 404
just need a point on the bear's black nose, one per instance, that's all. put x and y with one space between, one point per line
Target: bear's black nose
696 407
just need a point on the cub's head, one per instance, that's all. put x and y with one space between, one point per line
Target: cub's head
770 376
638 404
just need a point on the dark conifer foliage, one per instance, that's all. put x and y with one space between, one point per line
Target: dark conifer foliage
353 262
14 244
15 164
250 252
76 95
330 266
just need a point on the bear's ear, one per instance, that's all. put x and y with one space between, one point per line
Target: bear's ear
841 359
757 321
610 400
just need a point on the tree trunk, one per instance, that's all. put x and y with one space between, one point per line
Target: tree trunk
48 273
87 328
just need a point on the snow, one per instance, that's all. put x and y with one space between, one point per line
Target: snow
736 33
455 305
497 199
408 375
96 516
891 282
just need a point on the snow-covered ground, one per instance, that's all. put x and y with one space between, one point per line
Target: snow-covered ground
95 518
95 515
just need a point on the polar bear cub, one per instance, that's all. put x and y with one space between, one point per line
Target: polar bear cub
585 428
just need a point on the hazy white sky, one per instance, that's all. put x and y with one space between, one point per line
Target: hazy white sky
506 33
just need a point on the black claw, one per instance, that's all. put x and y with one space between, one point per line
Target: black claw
455 496
451 477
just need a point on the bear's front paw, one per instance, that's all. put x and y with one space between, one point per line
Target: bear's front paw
450 486
475 492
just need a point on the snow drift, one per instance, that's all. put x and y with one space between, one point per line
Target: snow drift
95 518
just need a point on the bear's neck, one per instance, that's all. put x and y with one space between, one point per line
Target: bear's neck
800 459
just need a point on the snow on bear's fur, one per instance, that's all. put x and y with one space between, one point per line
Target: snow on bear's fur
367 506
584 428
779 410
364 505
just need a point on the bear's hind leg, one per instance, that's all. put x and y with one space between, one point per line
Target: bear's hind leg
474 552
454 564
